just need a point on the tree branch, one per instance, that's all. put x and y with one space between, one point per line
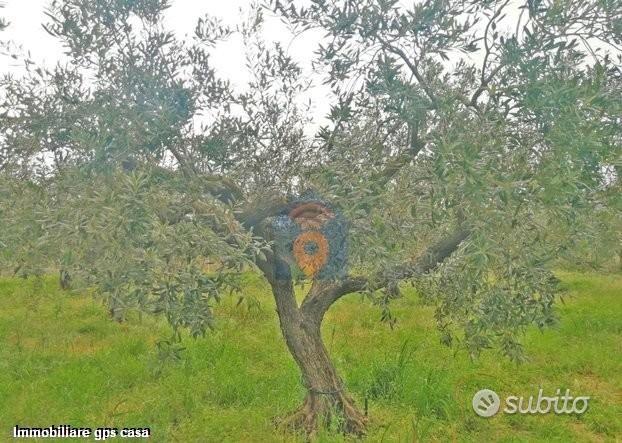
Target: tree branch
256 212
395 164
484 79
413 68
324 293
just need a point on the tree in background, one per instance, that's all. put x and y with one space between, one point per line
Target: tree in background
465 174
3 23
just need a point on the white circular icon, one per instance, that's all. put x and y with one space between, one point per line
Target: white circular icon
486 403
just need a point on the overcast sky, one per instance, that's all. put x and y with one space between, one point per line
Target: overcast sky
26 16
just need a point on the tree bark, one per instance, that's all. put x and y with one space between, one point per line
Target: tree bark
64 280
326 402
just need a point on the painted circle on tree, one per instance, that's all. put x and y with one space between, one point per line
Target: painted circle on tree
313 235
311 215
311 252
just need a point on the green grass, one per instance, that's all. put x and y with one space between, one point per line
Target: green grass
62 361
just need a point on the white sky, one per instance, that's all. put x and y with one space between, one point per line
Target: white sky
26 17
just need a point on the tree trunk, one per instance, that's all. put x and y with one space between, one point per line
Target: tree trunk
326 402
64 280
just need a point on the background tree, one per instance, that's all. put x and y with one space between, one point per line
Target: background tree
464 158
3 23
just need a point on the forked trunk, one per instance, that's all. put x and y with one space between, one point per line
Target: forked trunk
326 402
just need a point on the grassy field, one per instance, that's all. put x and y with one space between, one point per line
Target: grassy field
62 361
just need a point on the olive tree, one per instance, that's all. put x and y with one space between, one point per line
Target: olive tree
3 22
459 157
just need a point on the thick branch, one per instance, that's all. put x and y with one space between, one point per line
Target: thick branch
324 294
395 164
222 188
256 212
274 268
